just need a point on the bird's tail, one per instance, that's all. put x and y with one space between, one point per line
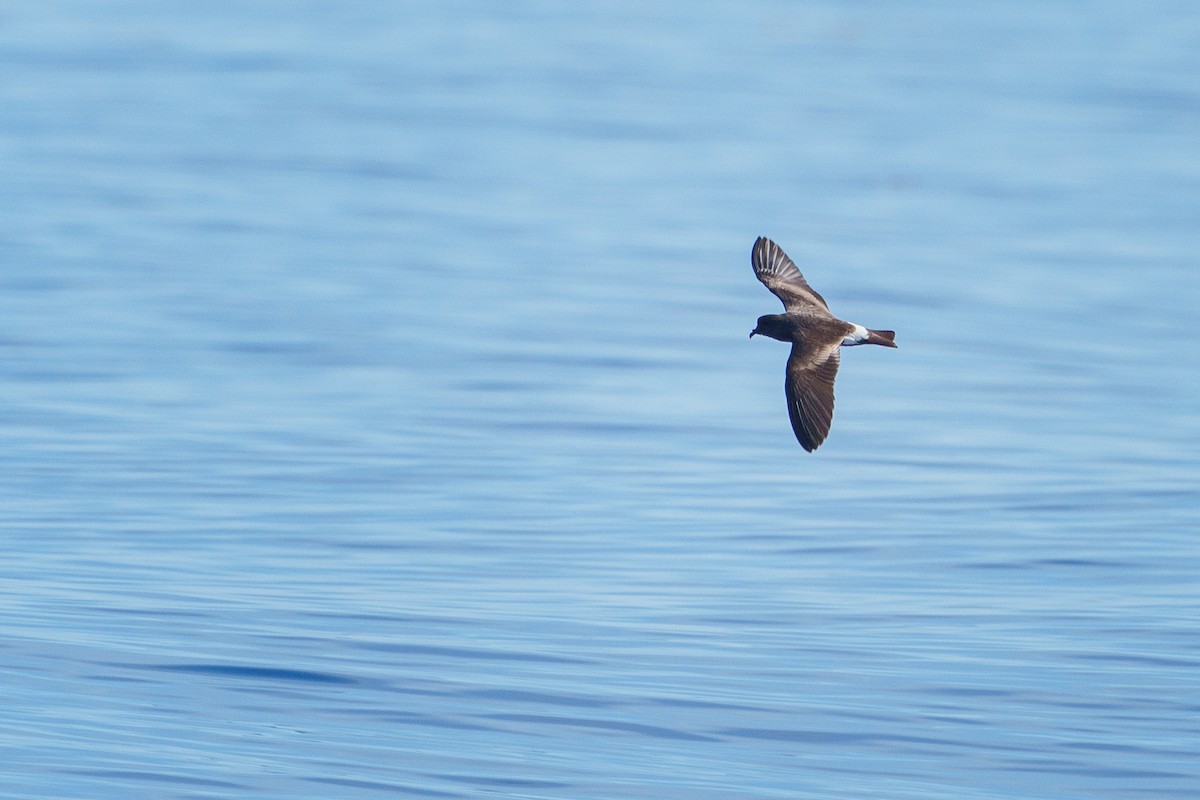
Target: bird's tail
885 338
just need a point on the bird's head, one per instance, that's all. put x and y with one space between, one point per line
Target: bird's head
777 326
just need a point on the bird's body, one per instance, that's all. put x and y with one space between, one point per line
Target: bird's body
816 336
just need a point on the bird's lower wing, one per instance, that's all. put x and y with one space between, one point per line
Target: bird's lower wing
809 390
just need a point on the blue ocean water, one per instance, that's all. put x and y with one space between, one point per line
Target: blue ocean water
379 417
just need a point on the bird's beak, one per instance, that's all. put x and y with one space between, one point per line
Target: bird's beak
753 332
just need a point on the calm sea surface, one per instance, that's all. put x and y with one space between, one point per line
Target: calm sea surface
378 417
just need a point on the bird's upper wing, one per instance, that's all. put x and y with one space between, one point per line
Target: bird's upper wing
780 274
809 388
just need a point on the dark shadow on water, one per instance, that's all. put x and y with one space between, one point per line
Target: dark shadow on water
258 673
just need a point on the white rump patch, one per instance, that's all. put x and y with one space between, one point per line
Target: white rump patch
857 336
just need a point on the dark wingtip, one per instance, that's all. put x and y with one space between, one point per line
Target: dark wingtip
809 440
809 446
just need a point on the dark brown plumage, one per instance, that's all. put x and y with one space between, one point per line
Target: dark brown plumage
816 336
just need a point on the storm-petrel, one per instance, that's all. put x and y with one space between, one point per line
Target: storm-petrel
817 337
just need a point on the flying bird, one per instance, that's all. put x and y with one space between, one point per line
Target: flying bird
816 336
